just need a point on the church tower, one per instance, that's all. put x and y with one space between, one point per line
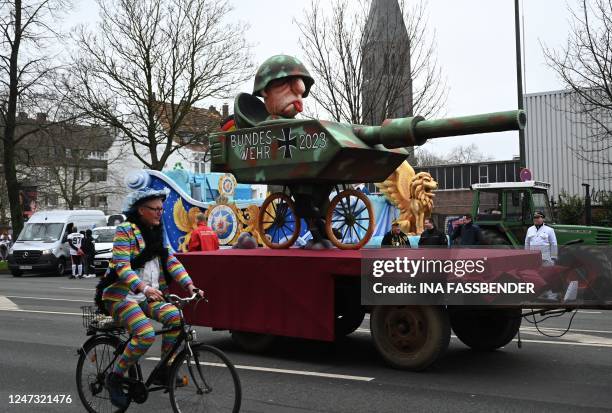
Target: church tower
387 84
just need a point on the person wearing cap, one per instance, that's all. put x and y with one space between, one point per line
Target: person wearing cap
143 267
542 237
467 232
203 238
282 81
395 238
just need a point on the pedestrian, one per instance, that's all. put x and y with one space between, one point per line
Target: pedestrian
395 238
467 232
432 236
89 250
203 238
75 241
542 237
5 244
139 273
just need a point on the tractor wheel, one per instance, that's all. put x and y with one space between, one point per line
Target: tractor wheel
410 337
485 329
492 237
591 266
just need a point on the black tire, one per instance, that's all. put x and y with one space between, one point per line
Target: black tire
206 382
493 237
60 269
92 369
485 329
410 337
17 273
349 321
349 313
254 342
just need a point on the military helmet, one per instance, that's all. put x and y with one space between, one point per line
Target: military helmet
278 67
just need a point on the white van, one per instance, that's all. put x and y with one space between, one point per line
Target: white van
41 245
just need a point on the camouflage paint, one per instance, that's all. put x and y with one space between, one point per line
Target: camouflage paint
291 151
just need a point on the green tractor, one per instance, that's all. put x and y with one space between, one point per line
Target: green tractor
504 212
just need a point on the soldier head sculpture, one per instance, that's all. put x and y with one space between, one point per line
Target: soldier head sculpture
283 82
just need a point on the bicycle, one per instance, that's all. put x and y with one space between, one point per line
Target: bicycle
201 377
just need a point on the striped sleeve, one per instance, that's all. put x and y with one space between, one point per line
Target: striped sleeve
177 271
121 259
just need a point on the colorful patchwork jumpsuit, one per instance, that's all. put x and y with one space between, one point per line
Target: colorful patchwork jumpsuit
128 305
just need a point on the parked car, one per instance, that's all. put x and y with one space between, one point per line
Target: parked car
42 246
103 237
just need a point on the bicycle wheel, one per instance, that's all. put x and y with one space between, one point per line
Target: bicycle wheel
92 367
206 382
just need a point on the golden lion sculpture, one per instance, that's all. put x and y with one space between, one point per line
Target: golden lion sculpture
412 194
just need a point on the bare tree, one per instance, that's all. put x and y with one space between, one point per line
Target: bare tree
458 155
337 46
423 157
149 62
466 154
27 31
584 65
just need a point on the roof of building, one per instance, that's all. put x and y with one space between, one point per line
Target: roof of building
197 121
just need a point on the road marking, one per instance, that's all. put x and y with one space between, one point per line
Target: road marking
6 304
285 371
577 338
553 329
42 312
528 310
567 343
589 312
76 288
52 299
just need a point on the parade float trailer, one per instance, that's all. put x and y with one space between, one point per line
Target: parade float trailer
260 294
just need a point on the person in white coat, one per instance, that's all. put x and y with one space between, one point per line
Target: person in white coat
542 237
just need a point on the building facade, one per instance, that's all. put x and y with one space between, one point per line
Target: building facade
560 147
60 165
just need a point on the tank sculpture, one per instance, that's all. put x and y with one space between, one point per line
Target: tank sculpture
311 159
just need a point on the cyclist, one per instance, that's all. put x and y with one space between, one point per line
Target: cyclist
143 267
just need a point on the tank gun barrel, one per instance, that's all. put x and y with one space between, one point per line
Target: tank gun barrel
415 131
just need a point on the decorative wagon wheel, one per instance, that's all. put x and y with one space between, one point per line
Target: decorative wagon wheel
278 221
350 214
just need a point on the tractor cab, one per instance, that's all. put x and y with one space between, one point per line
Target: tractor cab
504 210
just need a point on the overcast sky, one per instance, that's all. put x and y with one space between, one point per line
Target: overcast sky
475 40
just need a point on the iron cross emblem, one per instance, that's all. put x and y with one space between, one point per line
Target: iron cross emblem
288 143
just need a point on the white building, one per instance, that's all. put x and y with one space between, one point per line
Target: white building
560 148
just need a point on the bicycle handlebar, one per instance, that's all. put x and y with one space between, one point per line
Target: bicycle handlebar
179 301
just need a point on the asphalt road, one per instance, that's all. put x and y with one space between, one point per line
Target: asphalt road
41 329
